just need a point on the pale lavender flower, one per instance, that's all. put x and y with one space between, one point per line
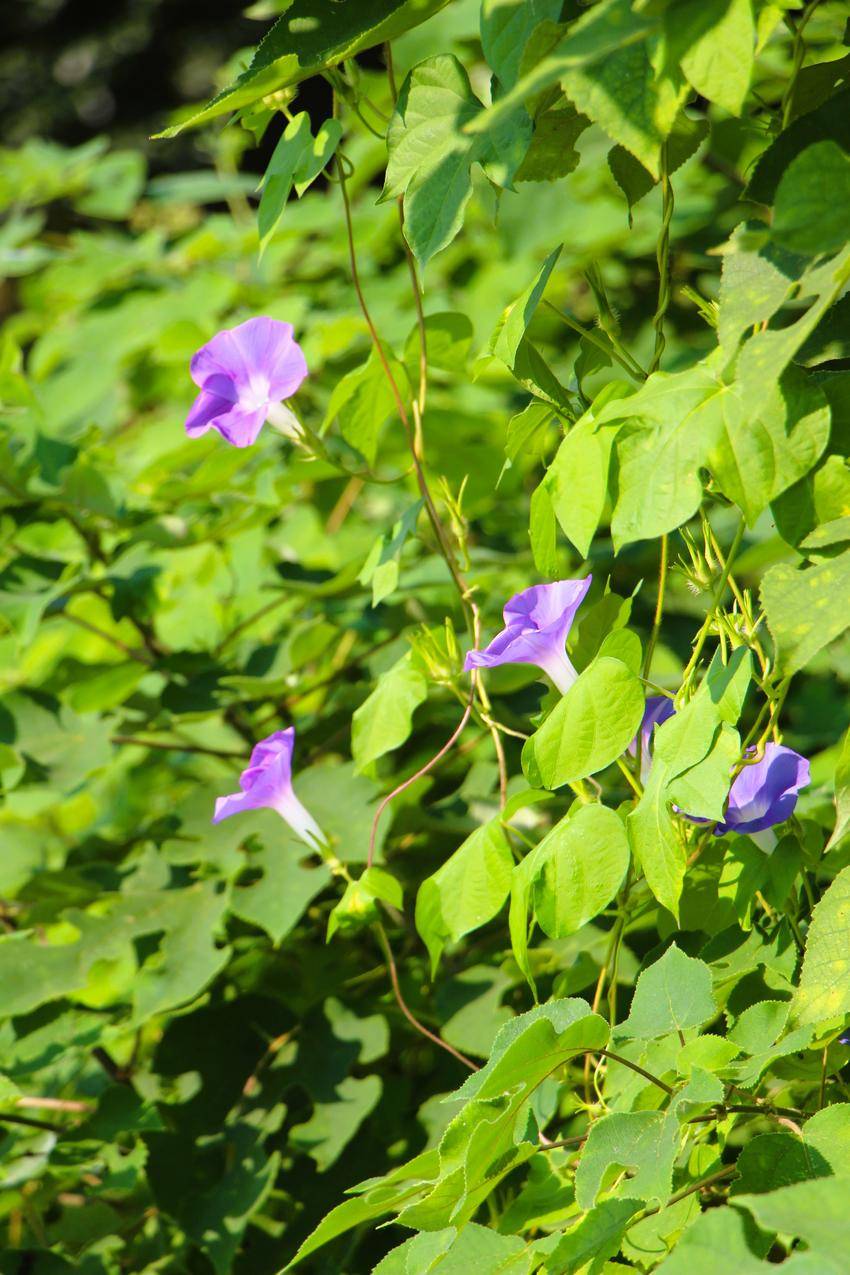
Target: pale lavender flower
537 622
267 784
658 709
243 374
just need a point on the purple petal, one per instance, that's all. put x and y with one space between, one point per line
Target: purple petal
537 622
254 363
544 606
240 427
267 784
277 747
765 793
203 413
268 345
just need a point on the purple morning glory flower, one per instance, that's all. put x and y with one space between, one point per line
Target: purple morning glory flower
537 622
765 793
243 373
658 709
267 783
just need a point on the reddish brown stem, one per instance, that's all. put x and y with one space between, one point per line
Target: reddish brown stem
423 770
408 1013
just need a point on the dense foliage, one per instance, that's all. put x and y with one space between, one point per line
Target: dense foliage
571 283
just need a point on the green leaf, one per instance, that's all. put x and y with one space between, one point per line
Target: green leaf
644 1143
757 277
774 1160
483 1141
381 568
815 1211
430 154
672 995
467 891
363 401
583 870
702 790
296 161
514 323
450 1252
719 62
634 180
59 963
448 337
285 889
806 609
674 417
506 28
542 533
311 35
829 122
528 432
828 1134
657 843
824 990
552 153
842 794
722 1230
812 210
634 103
384 721
596 1238
766 355
588 728
756 457
608 26
577 481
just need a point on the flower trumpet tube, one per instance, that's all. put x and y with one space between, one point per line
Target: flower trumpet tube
267 784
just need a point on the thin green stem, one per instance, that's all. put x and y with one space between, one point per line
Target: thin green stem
798 55
659 606
611 346
632 1066
633 783
662 255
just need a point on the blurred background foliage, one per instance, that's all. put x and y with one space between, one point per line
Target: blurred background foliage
167 602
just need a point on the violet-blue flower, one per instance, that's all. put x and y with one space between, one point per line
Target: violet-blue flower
658 709
267 784
537 622
765 792
243 373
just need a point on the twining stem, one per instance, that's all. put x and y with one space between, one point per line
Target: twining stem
408 1013
659 606
420 324
423 770
662 255
439 530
